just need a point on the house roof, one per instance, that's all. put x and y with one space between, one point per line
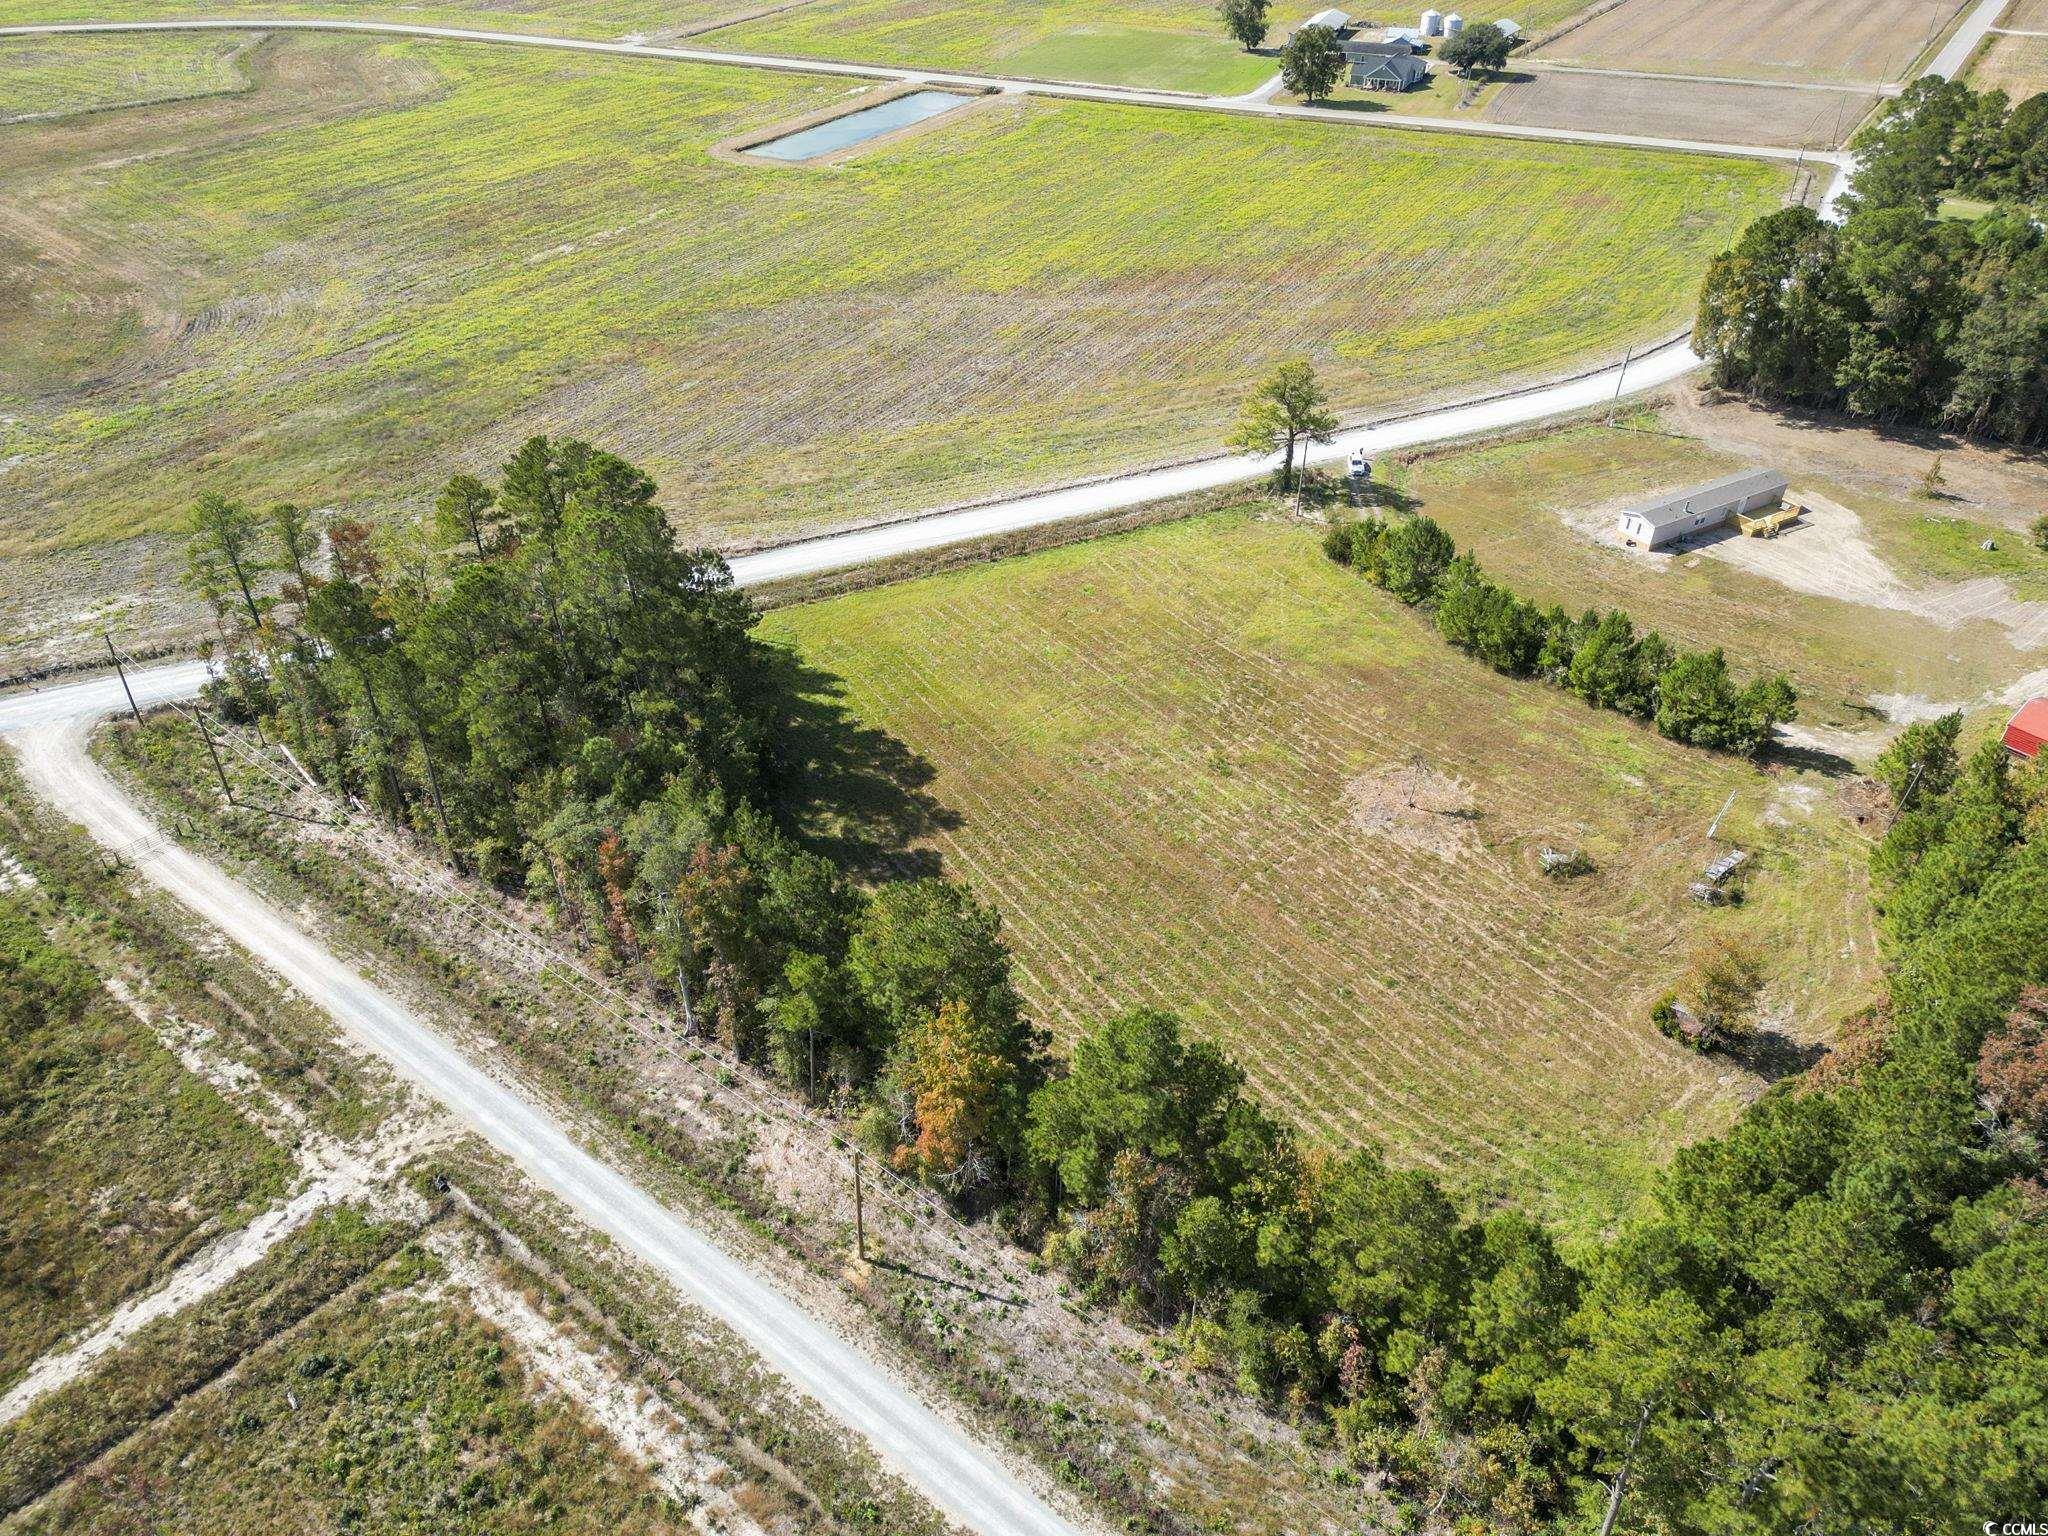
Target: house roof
1413 36
1359 48
2027 733
1389 66
1681 506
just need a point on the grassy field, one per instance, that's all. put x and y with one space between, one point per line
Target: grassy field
344 308
391 1411
1165 751
118 1162
54 76
1526 509
1176 44
1764 39
563 18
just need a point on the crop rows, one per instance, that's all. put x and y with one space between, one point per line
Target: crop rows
49 77
1031 292
1147 745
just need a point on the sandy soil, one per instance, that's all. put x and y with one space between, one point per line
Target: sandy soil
1994 484
338 1175
638 1422
1732 114
1804 39
1417 807
1827 554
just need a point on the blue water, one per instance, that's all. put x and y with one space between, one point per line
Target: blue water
858 127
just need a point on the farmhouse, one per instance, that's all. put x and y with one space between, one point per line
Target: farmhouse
1684 513
2027 732
1388 71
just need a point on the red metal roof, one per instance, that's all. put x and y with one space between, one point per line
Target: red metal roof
2028 732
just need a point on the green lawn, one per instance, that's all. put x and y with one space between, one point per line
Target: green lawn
1162 749
54 76
342 298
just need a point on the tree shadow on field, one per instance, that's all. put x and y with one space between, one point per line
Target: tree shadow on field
853 793
1807 759
1774 1055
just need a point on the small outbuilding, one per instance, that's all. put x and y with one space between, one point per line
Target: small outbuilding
1336 21
1413 36
1388 71
2026 734
1702 507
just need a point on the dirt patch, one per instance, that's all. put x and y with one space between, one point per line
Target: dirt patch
1786 39
2017 66
2012 486
1418 807
1827 554
1711 111
636 1420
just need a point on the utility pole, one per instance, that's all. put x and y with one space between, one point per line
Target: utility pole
213 752
1620 378
115 657
1621 1478
860 1220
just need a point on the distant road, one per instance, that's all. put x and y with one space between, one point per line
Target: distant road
1252 104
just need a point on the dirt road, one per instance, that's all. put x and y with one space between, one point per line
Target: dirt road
963 1478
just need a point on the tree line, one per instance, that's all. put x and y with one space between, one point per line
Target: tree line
1833 1317
1897 315
575 709
1688 696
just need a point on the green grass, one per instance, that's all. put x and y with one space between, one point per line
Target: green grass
1172 44
118 1161
391 1411
344 311
1513 504
57 76
564 18
1150 741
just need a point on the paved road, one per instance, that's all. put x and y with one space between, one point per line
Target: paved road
1250 104
963 1478
1955 53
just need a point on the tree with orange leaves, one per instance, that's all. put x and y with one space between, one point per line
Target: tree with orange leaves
960 1089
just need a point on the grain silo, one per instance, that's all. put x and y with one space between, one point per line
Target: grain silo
1432 23
1453 24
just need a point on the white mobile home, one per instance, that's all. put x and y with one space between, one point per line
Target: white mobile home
1703 507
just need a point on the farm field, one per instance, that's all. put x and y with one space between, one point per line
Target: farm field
1168 44
1178 761
2017 66
560 18
1704 110
47 77
1765 39
392 261
2026 16
1537 512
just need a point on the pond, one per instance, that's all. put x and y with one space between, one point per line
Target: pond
858 127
